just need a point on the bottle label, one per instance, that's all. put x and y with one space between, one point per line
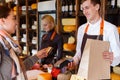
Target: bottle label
63 8
113 3
66 8
70 7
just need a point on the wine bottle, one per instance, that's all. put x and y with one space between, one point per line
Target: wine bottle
71 8
74 6
63 7
113 3
118 3
108 3
66 8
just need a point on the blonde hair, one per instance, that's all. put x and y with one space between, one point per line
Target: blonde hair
49 19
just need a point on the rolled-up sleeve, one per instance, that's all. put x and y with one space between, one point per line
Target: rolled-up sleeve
29 62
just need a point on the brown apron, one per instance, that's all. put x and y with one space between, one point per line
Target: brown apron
86 36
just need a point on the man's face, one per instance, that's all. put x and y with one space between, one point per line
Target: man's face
89 10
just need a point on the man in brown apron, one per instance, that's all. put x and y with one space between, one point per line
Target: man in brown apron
96 28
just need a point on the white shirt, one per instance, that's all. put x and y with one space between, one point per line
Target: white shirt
110 34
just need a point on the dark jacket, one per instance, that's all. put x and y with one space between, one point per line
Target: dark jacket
56 42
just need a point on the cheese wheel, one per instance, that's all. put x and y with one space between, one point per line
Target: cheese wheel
71 40
34 6
44 76
68 21
76 77
15 8
115 76
69 28
116 69
69 47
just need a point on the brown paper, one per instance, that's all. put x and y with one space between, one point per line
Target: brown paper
93 66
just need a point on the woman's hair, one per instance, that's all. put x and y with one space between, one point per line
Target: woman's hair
4 11
94 2
49 18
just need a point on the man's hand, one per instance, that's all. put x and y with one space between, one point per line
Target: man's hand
108 56
71 65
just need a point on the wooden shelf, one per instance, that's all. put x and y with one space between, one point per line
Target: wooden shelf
28 19
60 26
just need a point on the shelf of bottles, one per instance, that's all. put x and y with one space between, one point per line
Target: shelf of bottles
27 26
68 8
113 12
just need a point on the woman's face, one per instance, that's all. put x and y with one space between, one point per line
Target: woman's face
90 10
10 23
46 25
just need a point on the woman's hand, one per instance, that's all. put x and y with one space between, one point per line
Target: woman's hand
108 56
42 53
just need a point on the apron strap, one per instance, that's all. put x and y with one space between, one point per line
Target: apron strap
101 27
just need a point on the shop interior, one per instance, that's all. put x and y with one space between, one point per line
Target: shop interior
68 18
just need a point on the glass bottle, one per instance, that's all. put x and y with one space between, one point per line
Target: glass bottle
63 7
113 3
118 3
71 9
66 8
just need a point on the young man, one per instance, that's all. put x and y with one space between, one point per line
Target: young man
95 28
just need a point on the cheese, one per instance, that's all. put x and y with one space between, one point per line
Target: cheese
71 40
44 76
68 21
116 70
76 77
69 47
69 28
34 6
115 76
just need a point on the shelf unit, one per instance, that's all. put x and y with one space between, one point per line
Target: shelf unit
27 18
112 14
60 26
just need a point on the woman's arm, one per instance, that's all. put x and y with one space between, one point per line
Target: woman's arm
29 62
